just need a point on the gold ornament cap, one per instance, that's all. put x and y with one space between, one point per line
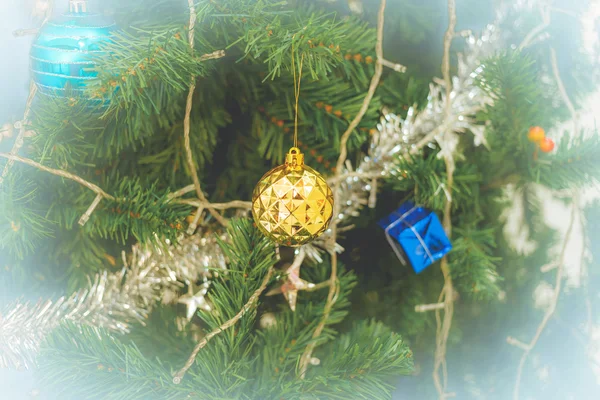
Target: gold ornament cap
294 158
292 203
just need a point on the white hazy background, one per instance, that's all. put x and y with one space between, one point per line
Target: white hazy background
14 84
14 81
14 14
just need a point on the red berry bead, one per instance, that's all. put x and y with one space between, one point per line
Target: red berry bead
536 134
547 145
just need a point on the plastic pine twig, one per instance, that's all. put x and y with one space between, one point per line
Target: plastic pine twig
395 66
429 307
192 228
58 172
85 217
213 56
517 343
563 91
187 122
244 205
447 295
26 32
182 191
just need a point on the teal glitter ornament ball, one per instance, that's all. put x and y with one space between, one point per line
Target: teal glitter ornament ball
62 56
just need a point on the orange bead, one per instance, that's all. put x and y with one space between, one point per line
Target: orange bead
536 134
547 145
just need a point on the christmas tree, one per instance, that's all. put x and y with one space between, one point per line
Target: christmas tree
407 246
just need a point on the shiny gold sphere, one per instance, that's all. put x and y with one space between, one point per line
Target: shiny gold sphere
292 204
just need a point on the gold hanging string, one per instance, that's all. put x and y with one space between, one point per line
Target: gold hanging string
296 91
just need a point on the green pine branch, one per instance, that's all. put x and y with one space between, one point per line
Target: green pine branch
575 164
513 80
313 39
472 262
139 211
79 132
81 362
361 364
22 221
425 178
144 58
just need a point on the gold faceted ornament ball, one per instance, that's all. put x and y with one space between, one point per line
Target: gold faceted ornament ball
292 203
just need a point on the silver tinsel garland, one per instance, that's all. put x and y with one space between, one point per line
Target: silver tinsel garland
153 274
157 273
396 136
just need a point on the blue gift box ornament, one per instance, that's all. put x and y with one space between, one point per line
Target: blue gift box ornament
416 234
62 56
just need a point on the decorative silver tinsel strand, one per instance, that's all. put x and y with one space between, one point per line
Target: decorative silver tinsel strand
114 301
